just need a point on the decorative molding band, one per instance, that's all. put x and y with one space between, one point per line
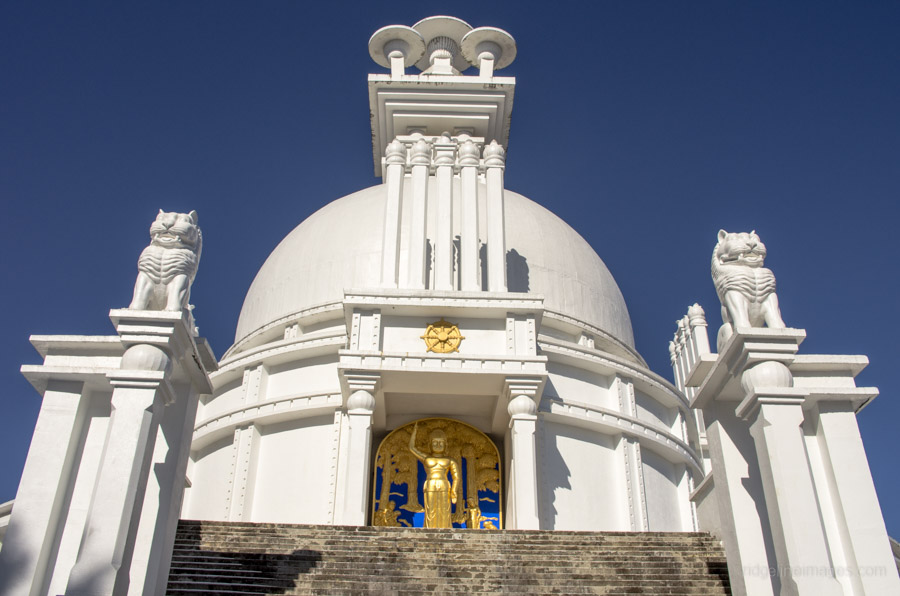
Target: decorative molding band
449 363
596 331
404 302
40 376
291 407
552 346
317 313
326 343
643 432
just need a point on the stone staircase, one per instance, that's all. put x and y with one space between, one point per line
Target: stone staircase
247 558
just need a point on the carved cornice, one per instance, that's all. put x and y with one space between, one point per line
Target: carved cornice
609 363
290 407
303 346
609 420
360 360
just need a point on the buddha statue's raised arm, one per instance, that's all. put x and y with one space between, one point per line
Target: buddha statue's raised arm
412 444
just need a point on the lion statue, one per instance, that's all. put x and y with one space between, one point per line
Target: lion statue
167 267
745 287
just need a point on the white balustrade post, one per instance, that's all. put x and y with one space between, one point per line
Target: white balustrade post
495 163
697 321
420 160
34 529
395 171
445 159
469 159
141 390
775 414
867 554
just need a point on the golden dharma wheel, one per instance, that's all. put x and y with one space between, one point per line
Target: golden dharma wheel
442 337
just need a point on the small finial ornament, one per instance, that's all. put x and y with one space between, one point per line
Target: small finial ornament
745 288
395 153
167 267
696 315
469 154
494 155
421 153
444 150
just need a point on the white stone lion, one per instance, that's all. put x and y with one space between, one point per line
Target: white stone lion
167 267
745 288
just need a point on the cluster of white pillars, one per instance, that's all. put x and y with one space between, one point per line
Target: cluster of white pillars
418 159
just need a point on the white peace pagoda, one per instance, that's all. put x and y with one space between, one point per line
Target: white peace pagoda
441 299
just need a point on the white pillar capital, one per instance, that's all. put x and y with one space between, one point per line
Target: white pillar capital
354 381
361 401
170 332
521 407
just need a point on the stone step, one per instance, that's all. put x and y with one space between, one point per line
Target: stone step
243 558
476 535
451 538
349 564
337 587
420 545
494 585
461 559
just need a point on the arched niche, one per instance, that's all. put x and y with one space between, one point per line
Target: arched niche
397 495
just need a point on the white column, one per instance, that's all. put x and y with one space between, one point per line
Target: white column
360 408
140 392
634 466
494 163
353 466
804 565
445 158
244 452
395 170
634 479
737 500
164 495
420 159
469 158
35 527
867 553
523 463
685 488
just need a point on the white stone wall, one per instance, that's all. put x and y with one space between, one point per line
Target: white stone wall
582 480
292 480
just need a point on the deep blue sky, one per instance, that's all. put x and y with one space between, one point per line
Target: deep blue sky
646 125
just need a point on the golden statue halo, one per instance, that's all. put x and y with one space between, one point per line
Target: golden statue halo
442 337
479 502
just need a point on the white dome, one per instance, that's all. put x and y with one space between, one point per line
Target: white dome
339 247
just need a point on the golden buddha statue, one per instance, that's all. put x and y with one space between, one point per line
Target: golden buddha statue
439 494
